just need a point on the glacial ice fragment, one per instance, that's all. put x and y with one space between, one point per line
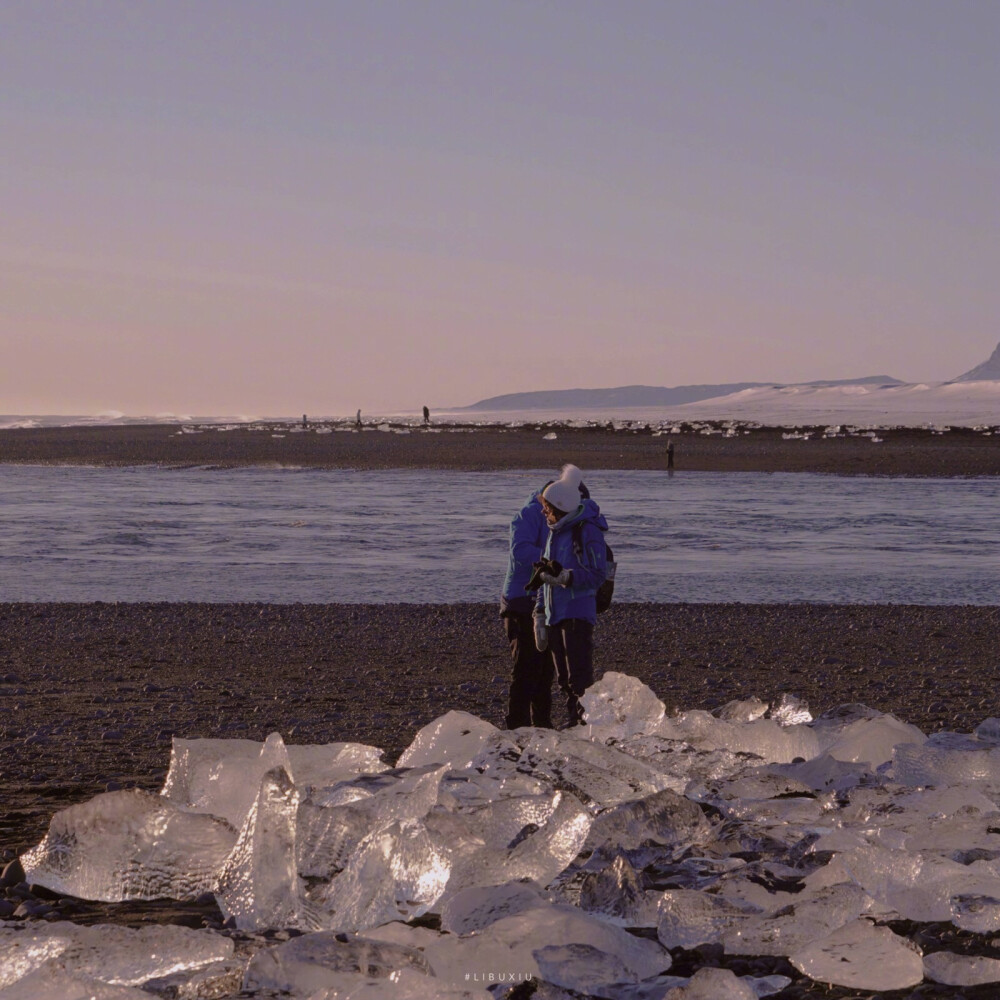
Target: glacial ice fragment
130 845
581 967
619 706
316 961
713 984
566 925
221 777
119 956
863 956
688 918
454 739
871 741
333 821
931 763
664 819
396 873
477 907
52 983
259 883
616 894
961 970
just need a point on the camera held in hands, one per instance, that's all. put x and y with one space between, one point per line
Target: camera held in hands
550 566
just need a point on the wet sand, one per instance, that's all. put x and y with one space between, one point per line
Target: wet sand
899 452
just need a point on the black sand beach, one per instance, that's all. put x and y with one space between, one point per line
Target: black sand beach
898 452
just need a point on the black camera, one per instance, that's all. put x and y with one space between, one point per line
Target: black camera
549 566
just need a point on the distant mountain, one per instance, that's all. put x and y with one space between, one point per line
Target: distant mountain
640 395
987 371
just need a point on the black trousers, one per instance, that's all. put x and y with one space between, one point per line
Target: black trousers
530 701
572 645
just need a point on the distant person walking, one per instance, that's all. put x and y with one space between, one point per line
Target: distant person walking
427 415
357 420
530 700
670 455
566 608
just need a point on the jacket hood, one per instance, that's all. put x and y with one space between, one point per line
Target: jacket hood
587 511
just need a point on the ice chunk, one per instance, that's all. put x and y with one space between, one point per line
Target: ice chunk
713 984
404 985
798 924
665 819
222 776
871 741
863 956
790 710
333 821
567 925
620 706
681 762
259 883
531 837
52 983
988 730
925 886
477 907
130 845
742 711
455 739
825 773
961 970
396 874
616 894
763 737
931 763
317 961
598 775
105 952
689 918
581 967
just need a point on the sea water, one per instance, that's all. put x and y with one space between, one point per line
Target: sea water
331 535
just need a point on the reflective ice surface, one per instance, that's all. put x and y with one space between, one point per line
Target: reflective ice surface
253 534
536 853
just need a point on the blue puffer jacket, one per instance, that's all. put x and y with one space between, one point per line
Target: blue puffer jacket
578 599
528 534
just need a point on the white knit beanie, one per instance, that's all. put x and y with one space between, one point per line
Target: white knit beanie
564 493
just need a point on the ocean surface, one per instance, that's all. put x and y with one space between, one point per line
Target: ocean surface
319 535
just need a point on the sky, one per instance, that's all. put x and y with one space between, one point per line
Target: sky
270 207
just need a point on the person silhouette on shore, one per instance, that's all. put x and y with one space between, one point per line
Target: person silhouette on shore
357 420
427 415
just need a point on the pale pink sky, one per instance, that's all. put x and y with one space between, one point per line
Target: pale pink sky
272 207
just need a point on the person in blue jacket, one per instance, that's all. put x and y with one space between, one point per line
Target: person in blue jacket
530 700
566 606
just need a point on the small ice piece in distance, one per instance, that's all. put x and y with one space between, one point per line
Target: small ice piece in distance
790 710
933 763
863 956
316 961
988 730
621 706
130 844
454 739
741 711
961 970
259 883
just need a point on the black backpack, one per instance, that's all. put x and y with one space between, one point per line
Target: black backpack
606 591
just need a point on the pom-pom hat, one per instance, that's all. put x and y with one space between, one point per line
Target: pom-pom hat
564 493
